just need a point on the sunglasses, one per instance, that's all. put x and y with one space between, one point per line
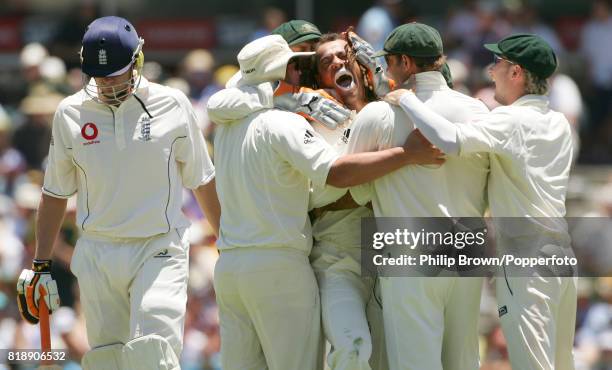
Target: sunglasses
497 59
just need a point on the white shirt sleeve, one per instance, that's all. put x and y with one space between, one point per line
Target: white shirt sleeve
362 194
369 132
322 196
494 132
234 103
60 175
300 145
194 162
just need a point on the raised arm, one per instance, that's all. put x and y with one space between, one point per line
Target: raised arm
498 131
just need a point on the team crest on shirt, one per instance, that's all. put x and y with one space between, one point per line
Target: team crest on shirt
145 129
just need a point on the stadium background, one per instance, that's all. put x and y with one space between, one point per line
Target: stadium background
192 45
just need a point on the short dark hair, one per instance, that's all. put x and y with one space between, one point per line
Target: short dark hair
327 37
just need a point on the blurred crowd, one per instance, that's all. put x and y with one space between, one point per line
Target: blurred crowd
581 89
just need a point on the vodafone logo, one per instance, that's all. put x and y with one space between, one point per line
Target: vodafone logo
89 131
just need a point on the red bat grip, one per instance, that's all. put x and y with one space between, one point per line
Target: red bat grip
45 332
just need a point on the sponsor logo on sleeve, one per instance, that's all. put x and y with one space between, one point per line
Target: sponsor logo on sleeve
308 137
345 135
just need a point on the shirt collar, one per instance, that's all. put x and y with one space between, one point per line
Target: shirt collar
430 81
530 100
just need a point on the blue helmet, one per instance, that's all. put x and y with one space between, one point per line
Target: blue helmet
110 46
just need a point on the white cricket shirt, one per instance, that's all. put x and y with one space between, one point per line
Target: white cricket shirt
127 164
265 163
338 228
457 188
533 155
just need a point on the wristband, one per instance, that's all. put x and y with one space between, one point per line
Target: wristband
41 265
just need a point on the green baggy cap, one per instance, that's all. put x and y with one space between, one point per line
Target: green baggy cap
413 39
529 51
297 31
446 73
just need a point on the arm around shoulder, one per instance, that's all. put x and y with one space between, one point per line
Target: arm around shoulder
359 168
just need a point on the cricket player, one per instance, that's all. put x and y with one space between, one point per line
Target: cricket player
530 148
126 147
350 311
266 289
430 322
350 306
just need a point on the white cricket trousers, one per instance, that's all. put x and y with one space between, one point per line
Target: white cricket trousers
269 309
538 317
133 287
431 322
350 309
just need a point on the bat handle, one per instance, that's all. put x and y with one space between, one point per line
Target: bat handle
45 333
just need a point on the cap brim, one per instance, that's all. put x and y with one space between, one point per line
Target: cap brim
380 53
297 54
305 38
235 81
494 48
274 71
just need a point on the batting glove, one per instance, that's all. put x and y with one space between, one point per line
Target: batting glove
314 106
381 84
34 284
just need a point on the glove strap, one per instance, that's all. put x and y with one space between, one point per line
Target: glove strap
41 265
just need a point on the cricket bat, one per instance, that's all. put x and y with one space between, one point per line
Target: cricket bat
45 332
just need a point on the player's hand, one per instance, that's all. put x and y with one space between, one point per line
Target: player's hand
394 96
314 106
421 151
34 284
376 73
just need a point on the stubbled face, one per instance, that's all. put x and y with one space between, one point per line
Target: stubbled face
114 89
339 73
397 68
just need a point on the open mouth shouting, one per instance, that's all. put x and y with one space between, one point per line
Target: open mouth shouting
344 79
